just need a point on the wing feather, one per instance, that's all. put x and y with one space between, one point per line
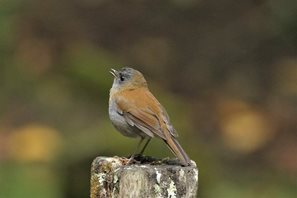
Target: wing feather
141 109
145 122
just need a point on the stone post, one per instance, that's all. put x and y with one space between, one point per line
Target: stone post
113 177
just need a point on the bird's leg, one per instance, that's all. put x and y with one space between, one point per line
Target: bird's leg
136 151
145 145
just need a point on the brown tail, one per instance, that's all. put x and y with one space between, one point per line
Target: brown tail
178 151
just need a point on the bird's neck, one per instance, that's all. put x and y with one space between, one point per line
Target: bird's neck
117 90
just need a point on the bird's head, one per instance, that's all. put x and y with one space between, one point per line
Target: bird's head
127 78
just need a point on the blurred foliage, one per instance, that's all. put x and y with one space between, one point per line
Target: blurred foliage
226 71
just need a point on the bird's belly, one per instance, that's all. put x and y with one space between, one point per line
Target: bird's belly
120 123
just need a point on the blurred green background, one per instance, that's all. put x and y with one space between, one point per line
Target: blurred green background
226 71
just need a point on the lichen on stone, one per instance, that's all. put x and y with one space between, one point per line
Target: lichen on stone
171 190
158 176
158 191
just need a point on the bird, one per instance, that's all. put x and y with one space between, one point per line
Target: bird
135 112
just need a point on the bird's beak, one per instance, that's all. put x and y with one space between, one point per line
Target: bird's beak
114 72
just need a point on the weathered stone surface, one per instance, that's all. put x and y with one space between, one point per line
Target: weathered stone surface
111 177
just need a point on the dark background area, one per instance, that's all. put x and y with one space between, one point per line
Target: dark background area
226 71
